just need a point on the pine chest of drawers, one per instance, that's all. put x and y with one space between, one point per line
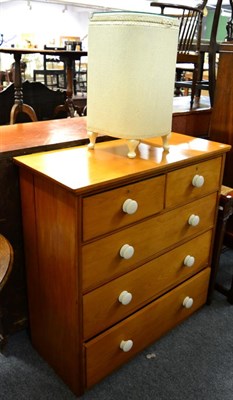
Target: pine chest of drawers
118 251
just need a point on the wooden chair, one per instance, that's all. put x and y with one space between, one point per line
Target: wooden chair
6 261
211 48
190 30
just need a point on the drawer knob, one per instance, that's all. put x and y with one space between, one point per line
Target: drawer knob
125 297
188 302
189 261
130 206
126 345
198 181
194 220
126 251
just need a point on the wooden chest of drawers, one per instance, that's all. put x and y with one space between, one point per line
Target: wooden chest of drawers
118 250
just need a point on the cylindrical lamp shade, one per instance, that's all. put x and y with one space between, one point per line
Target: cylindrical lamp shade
131 74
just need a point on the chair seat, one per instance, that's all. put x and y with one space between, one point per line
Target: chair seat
226 191
190 67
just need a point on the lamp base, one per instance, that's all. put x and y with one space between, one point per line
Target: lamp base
132 143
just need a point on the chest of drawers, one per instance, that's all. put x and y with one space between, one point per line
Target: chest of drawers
118 250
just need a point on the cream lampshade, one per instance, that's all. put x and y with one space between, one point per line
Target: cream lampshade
131 74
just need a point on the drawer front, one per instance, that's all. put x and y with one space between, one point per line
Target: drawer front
180 188
114 301
104 213
102 259
103 353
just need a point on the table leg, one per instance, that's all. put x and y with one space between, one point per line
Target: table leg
69 90
19 106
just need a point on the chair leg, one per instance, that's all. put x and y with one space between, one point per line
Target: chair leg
194 83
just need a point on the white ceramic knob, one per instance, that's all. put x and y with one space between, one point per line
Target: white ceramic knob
188 302
126 251
198 181
126 345
125 297
189 261
130 206
194 220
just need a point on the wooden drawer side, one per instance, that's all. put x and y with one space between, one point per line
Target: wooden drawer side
103 354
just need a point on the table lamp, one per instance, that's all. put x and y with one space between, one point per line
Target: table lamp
131 74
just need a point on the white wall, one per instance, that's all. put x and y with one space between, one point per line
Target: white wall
47 22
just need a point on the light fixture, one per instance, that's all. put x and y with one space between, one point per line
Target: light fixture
131 73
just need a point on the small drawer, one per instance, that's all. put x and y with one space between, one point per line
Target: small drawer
116 346
114 301
111 210
118 253
195 181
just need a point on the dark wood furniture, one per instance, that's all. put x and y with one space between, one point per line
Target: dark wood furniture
221 124
189 41
221 130
6 261
106 278
195 121
211 47
67 56
44 103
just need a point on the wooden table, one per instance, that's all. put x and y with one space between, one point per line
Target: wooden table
67 56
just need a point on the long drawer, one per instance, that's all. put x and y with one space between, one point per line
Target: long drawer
102 259
189 183
111 210
117 299
104 353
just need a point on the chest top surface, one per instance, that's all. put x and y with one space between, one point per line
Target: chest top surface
80 169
